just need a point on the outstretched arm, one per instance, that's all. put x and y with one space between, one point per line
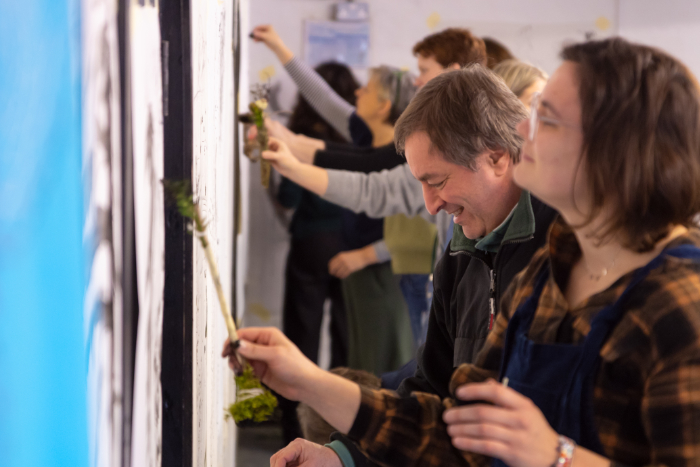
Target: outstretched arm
392 430
314 179
281 366
377 194
333 108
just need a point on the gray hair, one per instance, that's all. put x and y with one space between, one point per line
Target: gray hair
464 113
396 86
519 76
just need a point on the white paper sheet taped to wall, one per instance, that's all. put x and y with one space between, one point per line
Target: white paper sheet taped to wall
102 237
147 134
346 43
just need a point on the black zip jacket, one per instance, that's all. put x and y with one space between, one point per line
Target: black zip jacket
468 286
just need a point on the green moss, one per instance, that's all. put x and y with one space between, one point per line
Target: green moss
180 192
258 115
258 408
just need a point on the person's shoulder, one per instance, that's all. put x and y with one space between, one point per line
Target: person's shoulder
667 304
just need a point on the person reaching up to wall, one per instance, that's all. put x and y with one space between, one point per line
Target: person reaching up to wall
380 337
412 256
316 237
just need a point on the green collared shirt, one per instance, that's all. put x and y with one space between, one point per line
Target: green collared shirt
519 224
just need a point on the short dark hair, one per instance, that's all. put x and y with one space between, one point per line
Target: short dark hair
453 45
313 426
464 113
640 118
496 52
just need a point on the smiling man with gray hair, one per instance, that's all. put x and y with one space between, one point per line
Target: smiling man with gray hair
460 141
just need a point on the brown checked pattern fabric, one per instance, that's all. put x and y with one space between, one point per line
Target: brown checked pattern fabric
647 390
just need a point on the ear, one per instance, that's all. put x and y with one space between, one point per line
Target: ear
499 161
453 66
385 109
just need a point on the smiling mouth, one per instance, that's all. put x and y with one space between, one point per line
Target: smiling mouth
456 212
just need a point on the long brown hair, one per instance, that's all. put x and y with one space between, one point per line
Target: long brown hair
640 117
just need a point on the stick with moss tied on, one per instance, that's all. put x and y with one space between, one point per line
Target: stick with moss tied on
253 401
257 117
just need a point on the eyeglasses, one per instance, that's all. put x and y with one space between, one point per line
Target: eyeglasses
535 118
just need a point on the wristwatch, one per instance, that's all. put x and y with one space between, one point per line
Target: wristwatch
566 452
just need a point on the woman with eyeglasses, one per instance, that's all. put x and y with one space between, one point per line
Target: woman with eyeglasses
595 357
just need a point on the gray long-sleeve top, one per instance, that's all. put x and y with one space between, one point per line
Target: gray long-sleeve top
382 194
333 108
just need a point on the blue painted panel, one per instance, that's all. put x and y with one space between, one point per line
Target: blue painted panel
42 359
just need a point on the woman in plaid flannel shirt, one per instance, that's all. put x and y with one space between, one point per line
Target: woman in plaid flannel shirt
613 143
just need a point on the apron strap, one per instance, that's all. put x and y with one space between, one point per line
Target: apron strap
525 313
607 319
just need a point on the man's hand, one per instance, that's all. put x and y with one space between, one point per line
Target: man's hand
275 360
266 33
303 453
345 263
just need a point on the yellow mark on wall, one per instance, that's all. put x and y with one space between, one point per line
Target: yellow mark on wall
260 311
266 73
433 20
602 23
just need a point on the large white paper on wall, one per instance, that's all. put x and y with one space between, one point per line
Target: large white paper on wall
102 231
147 136
213 438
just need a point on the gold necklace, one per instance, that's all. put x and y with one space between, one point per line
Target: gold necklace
596 277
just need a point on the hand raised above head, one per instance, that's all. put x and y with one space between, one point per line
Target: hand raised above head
266 34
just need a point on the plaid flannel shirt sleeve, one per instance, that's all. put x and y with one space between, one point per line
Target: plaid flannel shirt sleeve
409 431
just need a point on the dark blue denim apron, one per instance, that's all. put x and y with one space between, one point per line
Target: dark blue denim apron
559 378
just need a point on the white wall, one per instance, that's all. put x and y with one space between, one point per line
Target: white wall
672 25
213 438
534 30
147 142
